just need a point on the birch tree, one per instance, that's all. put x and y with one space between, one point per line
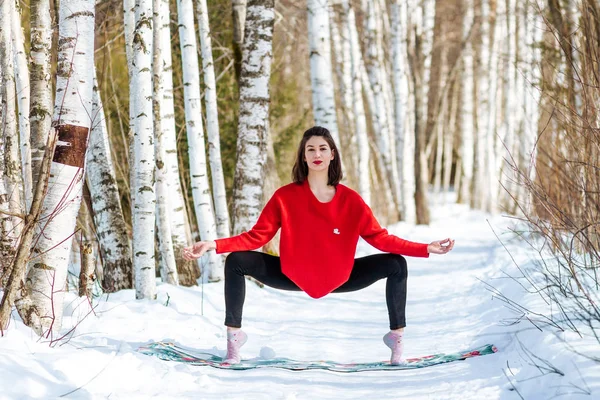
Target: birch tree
142 160
212 122
253 124
467 146
187 271
113 240
7 237
168 267
358 107
40 113
404 135
377 79
321 75
12 160
73 106
23 101
491 174
195 135
346 83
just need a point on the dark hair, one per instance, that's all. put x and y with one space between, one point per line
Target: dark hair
300 170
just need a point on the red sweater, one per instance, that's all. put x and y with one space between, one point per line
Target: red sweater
318 240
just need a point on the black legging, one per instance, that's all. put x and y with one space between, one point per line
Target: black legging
267 269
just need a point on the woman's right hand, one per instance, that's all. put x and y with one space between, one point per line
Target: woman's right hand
196 250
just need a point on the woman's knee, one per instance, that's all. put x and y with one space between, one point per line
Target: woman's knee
235 260
399 264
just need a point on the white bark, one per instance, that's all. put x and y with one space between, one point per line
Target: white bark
142 161
483 106
193 117
405 153
41 87
12 172
212 122
520 93
346 84
509 125
113 240
23 100
467 147
178 216
491 175
253 125
358 107
168 267
6 222
128 28
321 75
73 107
378 81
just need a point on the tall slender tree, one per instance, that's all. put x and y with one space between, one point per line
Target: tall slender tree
12 172
212 122
40 116
187 271
195 135
253 122
321 74
142 160
23 102
168 267
113 240
73 107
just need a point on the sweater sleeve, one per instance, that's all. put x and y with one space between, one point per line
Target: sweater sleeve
379 237
260 234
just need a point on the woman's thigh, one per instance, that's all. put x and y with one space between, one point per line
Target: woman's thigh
263 267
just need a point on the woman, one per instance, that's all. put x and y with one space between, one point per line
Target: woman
320 221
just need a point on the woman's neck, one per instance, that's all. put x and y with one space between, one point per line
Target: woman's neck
318 181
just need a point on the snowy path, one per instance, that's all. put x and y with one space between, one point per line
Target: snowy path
449 309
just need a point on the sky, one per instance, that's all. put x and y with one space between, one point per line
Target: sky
451 306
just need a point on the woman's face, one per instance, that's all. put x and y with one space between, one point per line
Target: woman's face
317 154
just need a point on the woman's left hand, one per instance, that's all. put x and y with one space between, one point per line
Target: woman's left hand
440 246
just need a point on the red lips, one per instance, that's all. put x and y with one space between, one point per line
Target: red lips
317 162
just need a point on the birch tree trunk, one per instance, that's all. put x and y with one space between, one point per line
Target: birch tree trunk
40 116
320 67
467 146
74 89
358 107
420 75
482 65
404 137
12 172
378 78
253 124
346 84
111 229
168 266
195 135
510 108
7 237
181 236
23 102
212 122
142 161
491 176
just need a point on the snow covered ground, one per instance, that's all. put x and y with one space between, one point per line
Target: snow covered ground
449 309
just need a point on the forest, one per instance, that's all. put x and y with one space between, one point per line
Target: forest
132 129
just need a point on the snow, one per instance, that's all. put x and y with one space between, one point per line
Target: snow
449 308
